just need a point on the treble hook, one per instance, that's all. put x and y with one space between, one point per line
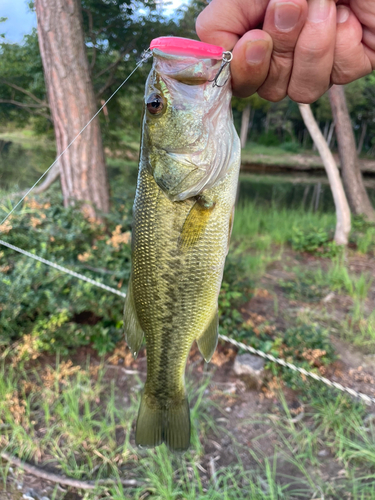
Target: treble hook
227 57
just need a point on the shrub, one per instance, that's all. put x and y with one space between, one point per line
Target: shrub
314 240
59 311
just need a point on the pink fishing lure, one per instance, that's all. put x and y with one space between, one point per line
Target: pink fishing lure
185 47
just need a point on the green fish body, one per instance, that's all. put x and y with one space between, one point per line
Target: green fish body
183 214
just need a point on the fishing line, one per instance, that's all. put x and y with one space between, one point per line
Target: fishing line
304 373
146 55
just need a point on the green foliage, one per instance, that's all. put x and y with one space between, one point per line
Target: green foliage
308 285
22 87
2 20
271 219
59 311
314 240
116 33
363 234
235 291
343 281
291 147
268 139
307 346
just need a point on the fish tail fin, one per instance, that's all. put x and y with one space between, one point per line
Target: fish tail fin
158 425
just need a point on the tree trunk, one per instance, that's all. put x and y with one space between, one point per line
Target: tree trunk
343 224
330 133
362 138
359 201
245 120
72 103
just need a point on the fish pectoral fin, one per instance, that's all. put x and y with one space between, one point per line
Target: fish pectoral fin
208 341
195 223
231 220
169 424
133 331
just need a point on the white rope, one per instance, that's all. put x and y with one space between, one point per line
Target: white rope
367 399
63 269
145 56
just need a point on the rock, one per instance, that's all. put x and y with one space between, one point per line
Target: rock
251 370
323 453
329 298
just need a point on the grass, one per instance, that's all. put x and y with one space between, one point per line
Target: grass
335 425
266 225
78 421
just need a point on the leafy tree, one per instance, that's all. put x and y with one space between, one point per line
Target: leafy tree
22 87
2 19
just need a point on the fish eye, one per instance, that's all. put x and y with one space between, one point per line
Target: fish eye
155 104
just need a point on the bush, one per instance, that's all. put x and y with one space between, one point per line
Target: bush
268 139
306 346
314 240
291 147
59 311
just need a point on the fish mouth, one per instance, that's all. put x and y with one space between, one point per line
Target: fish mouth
190 70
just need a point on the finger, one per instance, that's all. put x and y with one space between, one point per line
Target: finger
313 56
283 22
224 22
251 61
369 45
351 61
364 10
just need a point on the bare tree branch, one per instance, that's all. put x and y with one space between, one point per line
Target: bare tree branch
30 108
92 37
67 481
112 65
21 104
109 82
26 92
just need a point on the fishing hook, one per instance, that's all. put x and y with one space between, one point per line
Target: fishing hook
227 57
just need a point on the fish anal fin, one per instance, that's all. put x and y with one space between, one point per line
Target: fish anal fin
169 424
195 223
133 331
208 341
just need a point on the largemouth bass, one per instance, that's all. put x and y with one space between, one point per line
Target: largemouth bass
183 215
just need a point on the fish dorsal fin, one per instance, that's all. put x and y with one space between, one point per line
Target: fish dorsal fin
195 223
133 331
208 341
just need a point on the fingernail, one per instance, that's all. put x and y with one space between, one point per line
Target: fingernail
286 16
342 14
256 51
319 10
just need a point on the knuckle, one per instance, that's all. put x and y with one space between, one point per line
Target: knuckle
313 52
271 93
343 73
304 96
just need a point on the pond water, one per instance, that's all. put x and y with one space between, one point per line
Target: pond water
307 191
22 164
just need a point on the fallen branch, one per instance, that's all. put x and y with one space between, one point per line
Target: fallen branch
52 176
66 481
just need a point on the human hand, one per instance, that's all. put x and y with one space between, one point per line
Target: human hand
304 46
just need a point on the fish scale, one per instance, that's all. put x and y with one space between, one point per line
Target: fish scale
180 236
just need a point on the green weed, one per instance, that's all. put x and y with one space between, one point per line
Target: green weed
276 224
